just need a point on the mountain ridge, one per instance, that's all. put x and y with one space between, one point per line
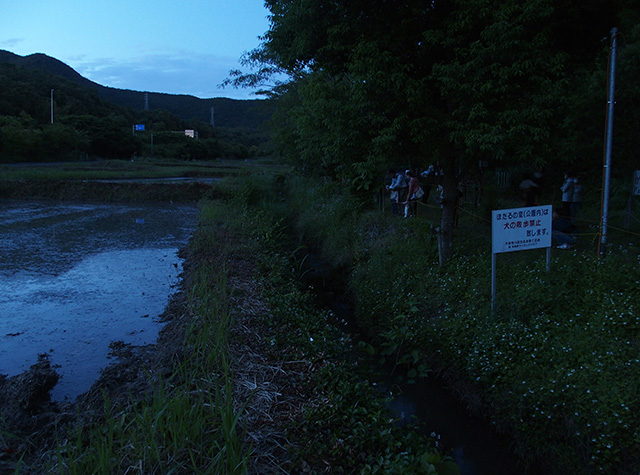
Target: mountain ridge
227 112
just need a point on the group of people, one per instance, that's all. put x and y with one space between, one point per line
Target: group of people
563 224
404 192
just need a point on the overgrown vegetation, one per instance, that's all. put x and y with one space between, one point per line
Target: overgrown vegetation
471 87
193 416
344 426
466 85
555 366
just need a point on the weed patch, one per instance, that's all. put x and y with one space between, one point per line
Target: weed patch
556 365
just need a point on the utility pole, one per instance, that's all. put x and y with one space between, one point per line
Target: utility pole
212 121
52 106
608 143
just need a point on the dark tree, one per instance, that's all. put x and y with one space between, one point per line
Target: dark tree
454 81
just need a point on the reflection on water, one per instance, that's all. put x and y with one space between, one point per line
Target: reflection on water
74 277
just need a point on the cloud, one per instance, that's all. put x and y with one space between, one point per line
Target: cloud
173 73
11 43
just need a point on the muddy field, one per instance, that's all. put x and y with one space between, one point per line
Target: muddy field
33 424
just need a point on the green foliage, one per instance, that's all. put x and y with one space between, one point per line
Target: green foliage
558 360
86 125
350 426
558 357
325 216
344 424
503 89
189 423
330 132
374 85
556 363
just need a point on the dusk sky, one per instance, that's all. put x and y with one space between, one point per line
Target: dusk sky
185 47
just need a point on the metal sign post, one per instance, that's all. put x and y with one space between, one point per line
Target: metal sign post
519 229
608 144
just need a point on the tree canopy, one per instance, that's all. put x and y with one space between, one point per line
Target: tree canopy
379 82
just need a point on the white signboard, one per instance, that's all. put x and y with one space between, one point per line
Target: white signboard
519 229
636 183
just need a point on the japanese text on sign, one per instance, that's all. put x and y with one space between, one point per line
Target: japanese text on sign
519 229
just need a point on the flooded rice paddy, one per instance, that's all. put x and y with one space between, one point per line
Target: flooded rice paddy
75 277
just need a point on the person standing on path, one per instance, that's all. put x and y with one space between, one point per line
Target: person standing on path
576 200
411 203
398 190
529 188
567 193
393 196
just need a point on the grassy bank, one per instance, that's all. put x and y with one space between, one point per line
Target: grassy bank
115 180
263 382
338 422
555 366
129 169
247 376
166 408
187 423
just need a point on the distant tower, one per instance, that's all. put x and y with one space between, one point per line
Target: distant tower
146 101
212 122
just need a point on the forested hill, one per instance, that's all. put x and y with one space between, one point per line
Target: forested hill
229 113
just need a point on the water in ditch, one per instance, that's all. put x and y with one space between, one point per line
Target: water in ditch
76 276
427 402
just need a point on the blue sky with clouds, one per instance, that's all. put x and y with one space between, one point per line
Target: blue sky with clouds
185 47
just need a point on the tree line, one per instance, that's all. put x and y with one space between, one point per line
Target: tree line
82 125
461 82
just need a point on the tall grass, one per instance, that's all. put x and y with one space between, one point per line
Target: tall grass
556 364
123 169
344 426
189 423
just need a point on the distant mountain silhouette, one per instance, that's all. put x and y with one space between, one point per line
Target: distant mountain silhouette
231 113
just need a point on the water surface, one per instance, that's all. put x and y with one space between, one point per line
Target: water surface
74 277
